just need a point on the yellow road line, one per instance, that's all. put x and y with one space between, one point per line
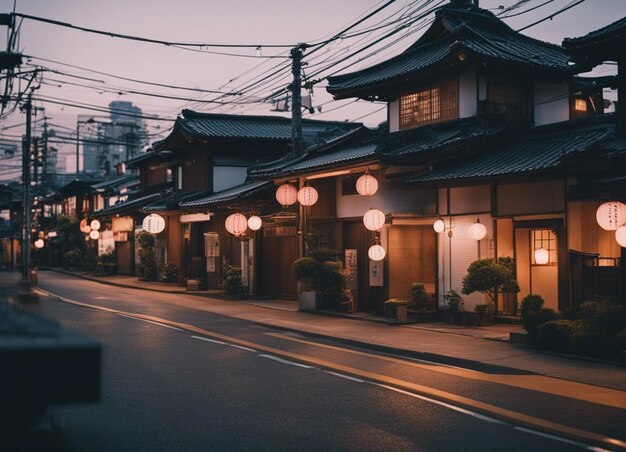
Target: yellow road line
571 389
464 402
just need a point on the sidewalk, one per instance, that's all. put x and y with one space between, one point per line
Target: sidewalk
455 345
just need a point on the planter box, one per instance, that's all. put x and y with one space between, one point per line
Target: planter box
194 284
309 300
395 313
454 317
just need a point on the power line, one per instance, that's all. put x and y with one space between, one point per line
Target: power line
553 15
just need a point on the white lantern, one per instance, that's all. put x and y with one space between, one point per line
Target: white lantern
611 215
95 235
374 219
255 223
95 225
236 224
376 253
39 243
154 223
307 196
286 195
87 229
439 226
477 231
366 185
542 256
620 236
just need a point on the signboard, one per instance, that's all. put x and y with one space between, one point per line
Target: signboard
210 264
154 223
120 236
211 244
106 244
376 273
350 261
194 217
122 224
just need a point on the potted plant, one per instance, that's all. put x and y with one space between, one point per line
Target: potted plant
419 297
396 310
490 277
147 256
305 270
321 279
454 311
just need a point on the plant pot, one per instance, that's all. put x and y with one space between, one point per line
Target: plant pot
395 312
309 300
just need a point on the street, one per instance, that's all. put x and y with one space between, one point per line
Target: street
172 388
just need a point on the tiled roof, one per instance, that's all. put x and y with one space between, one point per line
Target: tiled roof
463 27
608 33
171 201
117 183
238 192
538 149
128 207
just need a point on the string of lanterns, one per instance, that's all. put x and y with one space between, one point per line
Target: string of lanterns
237 223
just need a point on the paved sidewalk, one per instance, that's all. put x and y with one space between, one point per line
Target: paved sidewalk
451 344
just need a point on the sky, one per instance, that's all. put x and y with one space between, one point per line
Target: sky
253 22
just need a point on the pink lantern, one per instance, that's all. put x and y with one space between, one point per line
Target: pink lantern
374 219
236 224
286 195
366 185
307 196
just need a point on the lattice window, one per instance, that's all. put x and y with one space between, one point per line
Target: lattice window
510 98
434 104
546 239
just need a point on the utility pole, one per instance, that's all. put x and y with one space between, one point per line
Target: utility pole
26 283
77 146
296 104
44 154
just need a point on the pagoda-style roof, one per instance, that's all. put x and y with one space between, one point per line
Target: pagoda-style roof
198 127
605 44
537 150
170 202
461 33
117 183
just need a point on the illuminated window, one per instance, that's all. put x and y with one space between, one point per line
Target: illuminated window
434 104
580 105
546 239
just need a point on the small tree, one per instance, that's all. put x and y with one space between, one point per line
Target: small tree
491 276
147 256
419 297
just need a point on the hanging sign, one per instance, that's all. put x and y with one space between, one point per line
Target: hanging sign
153 223
122 224
352 280
210 265
376 273
106 244
194 217
211 244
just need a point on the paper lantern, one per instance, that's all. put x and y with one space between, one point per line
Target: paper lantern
255 223
236 224
542 256
374 219
307 196
286 195
366 185
620 236
87 229
153 223
95 235
439 226
39 243
376 253
95 225
83 225
477 231
611 215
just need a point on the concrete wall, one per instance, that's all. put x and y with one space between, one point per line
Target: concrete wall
551 102
228 176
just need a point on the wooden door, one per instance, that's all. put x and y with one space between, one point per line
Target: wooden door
355 236
124 258
279 249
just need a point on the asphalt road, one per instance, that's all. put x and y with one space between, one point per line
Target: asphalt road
186 379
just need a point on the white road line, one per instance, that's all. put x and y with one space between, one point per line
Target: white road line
150 321
284 361
243 348
209 340
555 438
347 377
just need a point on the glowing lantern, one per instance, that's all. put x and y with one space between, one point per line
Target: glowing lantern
87 229
255 223
83 224
39 243
286 195
376 253
439 226
236 224
620 236
374 219
95 225
611 215
307 196
153 223
542 256
477 231
52 234
95 235
366 185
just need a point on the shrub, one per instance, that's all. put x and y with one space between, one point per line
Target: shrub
531 303
73 258
589 343
147 258
490 276
321 272
555 335
324 254
232 281
305 270
589 309
609 321
454 300
618 343
419 297
483 309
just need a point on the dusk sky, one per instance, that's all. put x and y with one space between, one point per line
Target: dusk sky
233 22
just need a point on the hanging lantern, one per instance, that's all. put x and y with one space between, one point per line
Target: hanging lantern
376 253
95 225
255 223
94 235
236 224
286 195
39 243
83 225
374 219
620 236
611 215
87 229
542 256
439 226
307 196
153 223
477 231
366 185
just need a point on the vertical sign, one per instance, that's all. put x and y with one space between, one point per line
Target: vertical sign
211 249
376 273
352 281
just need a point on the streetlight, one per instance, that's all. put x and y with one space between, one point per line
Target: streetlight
78 123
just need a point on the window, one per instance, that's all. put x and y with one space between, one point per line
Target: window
509 98
546 239
580 105
434 104
348 184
